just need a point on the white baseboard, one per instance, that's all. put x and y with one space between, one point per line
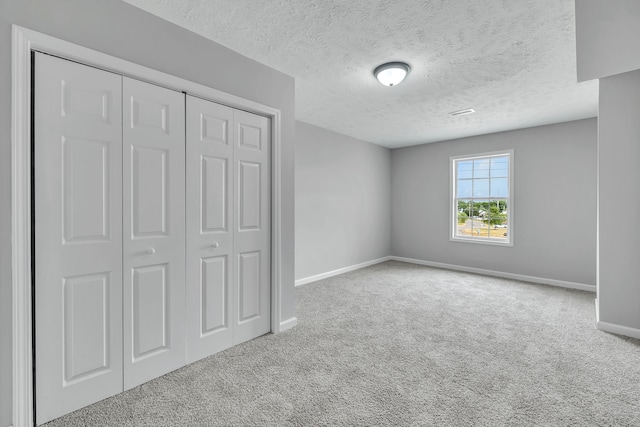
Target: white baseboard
288 324
618 329
552 282
317 277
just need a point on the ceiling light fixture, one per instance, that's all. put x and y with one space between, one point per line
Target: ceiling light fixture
391 73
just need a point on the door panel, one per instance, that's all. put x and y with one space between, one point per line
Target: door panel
209 228
215 196
252 234
249 285
149 173
148 112
86 326
154 224
250 203
85 188
251 136
150 310
78 235
214 294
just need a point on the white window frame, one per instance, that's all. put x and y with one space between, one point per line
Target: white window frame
453 208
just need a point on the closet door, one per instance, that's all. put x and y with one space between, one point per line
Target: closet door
154 231
209 228
78 235
252 230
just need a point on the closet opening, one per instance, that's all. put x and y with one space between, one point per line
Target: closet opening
27 228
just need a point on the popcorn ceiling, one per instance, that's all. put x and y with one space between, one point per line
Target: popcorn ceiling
513 61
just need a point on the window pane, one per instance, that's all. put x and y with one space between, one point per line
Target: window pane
464 188
502 204
499 167
465 169
499 187
463 222
472 210
481 168
463 206
480 188
498 220
480 208
467 212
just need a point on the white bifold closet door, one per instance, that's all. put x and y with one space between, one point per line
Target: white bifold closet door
154 231
78 235
130 282
109 234
228 227
252 232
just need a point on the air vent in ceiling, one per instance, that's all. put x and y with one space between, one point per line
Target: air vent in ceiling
463 112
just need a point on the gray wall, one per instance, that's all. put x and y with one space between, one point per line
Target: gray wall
121 30
607 37
343 214
608 46
619 175
554 201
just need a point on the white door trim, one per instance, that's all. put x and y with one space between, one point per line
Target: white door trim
23 42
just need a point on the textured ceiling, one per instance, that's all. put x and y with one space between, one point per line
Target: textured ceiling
513 61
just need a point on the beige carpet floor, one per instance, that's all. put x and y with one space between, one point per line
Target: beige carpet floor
399 345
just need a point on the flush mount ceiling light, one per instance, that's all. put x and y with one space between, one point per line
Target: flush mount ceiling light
391 73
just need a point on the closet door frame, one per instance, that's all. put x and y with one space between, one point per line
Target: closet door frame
24 42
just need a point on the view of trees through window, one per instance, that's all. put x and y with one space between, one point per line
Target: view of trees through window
482 198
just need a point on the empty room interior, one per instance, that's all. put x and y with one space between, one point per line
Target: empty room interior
301 213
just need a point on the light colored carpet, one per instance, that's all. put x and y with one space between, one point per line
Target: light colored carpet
400 344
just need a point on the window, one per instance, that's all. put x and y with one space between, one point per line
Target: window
481 198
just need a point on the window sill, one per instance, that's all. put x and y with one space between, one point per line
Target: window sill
481 241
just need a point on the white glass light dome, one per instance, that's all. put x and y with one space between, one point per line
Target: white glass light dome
391 73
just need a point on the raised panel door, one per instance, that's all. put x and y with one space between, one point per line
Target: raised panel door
209 257
110 227
252 231
154 231
77 179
